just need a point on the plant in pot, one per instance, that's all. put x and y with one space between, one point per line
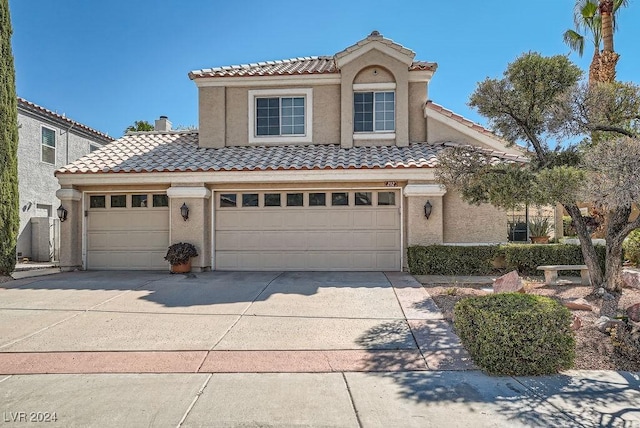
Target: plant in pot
539 229
179 257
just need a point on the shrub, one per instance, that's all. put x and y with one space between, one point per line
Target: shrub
180 253
525 258
626 341
482 260
452 260
516 334
631 247
568 228
539 226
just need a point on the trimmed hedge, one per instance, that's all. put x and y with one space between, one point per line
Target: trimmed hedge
516 334
479 259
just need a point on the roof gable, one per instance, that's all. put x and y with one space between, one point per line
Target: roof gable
375 41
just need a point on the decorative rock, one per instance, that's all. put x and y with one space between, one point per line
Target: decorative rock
633 312
604 295
578 305
509 283
606 324
631 279
577 323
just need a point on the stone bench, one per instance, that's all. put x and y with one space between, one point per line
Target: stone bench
551 273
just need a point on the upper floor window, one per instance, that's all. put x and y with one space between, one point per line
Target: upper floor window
48 146
374 111
280 116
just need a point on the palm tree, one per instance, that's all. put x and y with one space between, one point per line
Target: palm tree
599 18
608 56
586 18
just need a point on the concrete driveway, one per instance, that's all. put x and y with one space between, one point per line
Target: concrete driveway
265 349
226 321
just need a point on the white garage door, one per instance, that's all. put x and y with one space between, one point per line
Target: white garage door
308 230
127 231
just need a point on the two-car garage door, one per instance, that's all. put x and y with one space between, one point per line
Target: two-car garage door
307 230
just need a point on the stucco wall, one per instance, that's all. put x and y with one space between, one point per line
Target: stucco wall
417 122
37 184
464 223
438 132
231 127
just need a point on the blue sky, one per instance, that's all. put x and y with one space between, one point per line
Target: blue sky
109 63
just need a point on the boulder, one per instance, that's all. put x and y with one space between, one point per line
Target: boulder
633 312
631 279
578 305
606 324
509 283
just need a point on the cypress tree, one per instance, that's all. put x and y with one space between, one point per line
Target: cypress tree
9 203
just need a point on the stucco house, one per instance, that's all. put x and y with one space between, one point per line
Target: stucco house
315 163
46 141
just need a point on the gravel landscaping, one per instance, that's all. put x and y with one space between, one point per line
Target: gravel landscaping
594 350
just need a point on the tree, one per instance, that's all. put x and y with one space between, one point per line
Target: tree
9 203
588 19
608 56
139 126
539 102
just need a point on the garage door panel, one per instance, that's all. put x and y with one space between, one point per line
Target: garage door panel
308 238
127 238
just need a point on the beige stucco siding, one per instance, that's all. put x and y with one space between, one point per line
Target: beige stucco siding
374 74
237 117
212 116
464 223
417 122
229 126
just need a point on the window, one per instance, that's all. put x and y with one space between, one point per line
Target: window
118 201
386 198
338 199
93 148
363 198
374 111
249 199
160 201
295 199
280 115
317 199
97 201
272 200
228 200
138 201
48 146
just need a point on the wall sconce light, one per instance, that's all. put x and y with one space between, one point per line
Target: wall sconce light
427 209
62 213
184 211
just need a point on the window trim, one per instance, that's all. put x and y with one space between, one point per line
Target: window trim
55 144
306 93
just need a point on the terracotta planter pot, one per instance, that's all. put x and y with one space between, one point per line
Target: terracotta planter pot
539 239
181 268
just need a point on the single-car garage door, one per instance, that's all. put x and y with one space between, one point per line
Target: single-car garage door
308 230
127 231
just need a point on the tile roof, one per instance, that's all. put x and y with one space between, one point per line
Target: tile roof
41 111
304 65
179 152
461 119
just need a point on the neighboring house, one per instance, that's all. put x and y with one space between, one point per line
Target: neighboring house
317 163
46 141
